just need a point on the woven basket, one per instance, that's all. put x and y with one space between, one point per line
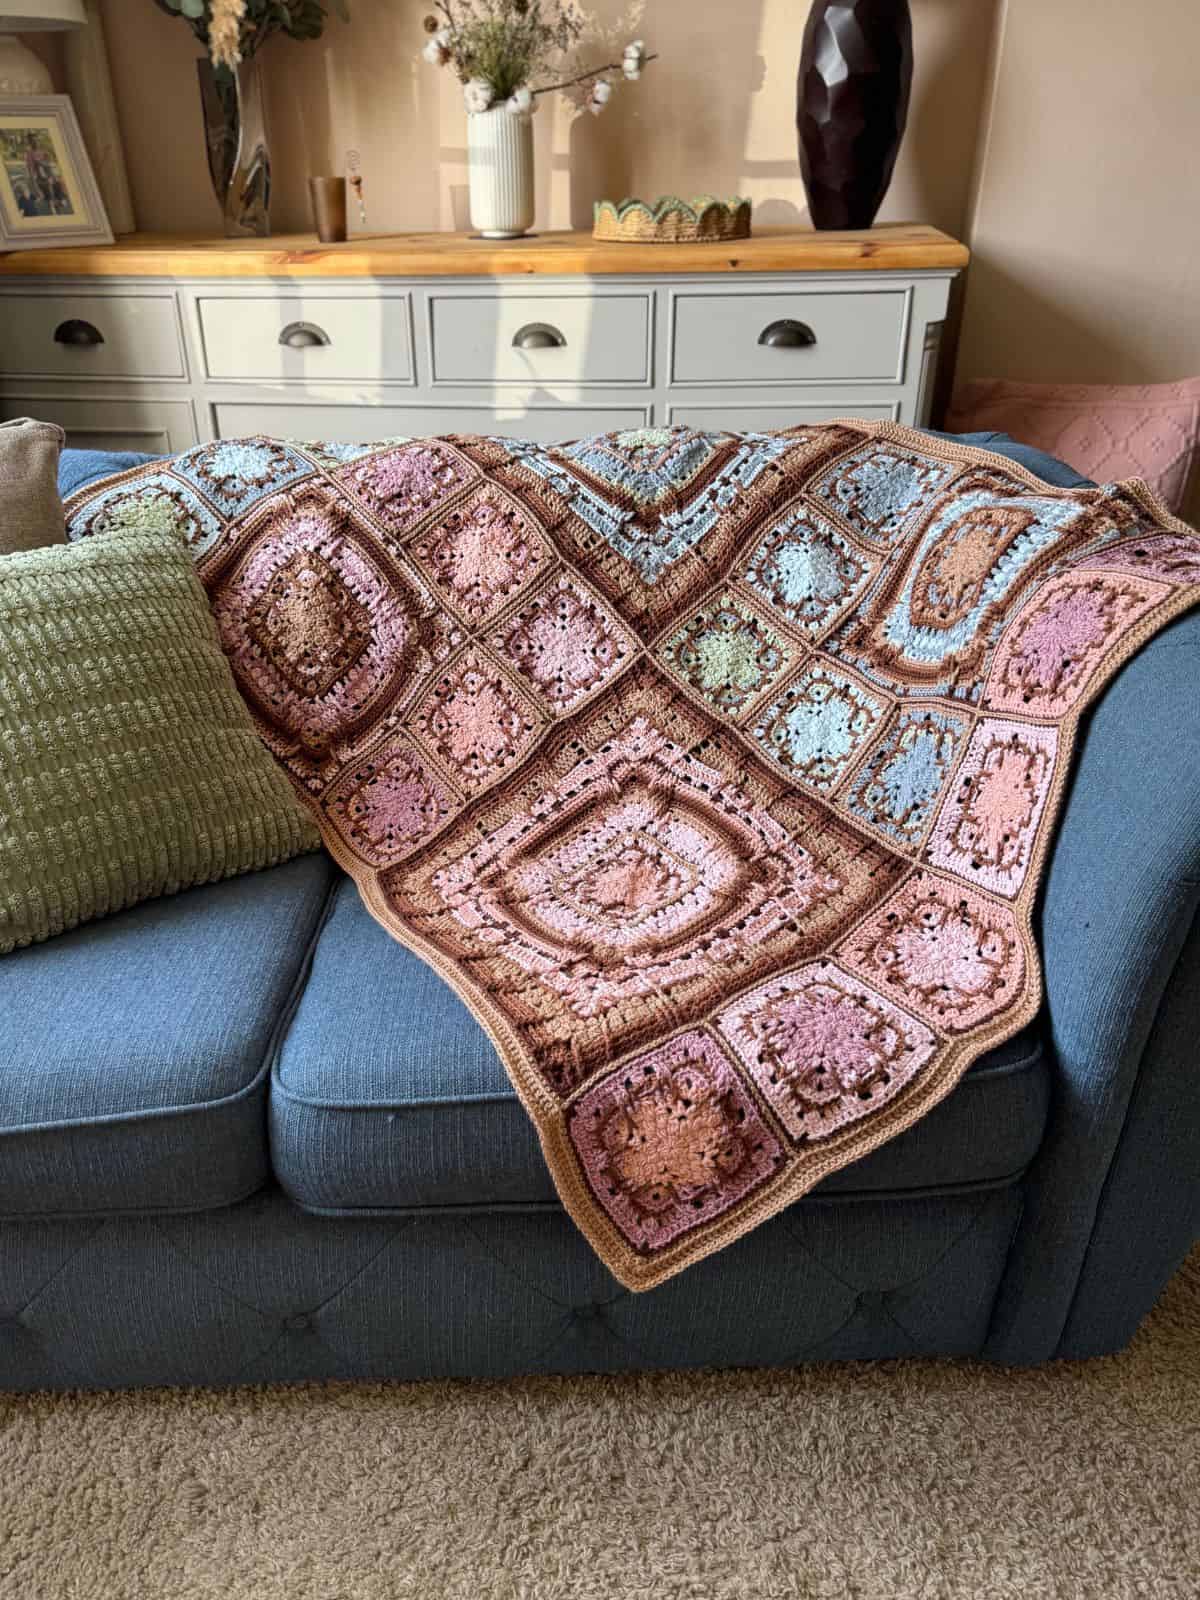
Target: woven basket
671 220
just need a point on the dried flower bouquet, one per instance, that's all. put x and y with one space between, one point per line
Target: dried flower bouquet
497 48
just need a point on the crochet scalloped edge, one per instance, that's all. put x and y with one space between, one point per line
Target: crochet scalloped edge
669 218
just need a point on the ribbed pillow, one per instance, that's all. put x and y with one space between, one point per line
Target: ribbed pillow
129 766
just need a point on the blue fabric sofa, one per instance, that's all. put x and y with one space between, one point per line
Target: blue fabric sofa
245 1136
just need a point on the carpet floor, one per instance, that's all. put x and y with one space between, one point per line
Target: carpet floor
913 1480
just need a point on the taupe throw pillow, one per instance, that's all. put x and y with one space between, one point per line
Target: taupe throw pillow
31 513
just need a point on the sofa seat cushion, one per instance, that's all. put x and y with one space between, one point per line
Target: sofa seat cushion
386 1094
133 1052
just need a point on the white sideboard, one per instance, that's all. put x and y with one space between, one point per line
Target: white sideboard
157 344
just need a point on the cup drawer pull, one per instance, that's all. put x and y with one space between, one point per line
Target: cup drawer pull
538 336
304 336
787 335
75 331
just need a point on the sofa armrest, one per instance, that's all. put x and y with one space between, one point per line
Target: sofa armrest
1113 1199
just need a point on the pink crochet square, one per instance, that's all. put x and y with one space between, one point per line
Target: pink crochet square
671 1140
988 824
1107 431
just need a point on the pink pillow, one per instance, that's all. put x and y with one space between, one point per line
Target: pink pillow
1106 431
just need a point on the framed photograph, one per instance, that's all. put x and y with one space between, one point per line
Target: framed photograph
48 192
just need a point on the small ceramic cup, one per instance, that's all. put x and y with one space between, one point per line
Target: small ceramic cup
327 197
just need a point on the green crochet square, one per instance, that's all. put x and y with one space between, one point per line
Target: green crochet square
129 765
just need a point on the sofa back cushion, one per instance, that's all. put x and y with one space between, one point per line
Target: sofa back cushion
31 513
129 765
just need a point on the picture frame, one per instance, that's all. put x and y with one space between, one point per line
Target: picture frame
48 192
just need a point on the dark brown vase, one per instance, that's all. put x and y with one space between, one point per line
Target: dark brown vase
851 106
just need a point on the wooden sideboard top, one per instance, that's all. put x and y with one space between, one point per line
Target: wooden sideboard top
891 246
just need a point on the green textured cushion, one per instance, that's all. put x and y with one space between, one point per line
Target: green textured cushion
129 766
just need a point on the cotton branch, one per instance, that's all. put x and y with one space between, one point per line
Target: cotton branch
584 77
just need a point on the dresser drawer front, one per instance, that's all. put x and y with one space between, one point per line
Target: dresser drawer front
348 424
307 338
90 336
574 340
731 417
159 427
849 337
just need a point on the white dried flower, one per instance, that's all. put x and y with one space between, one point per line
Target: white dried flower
225 32
633 59
600 96
437 51
478 95
520 102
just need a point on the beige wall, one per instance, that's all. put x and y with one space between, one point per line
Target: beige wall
1086 236
1086 233
714 113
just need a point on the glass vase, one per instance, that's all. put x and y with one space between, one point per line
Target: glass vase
239 158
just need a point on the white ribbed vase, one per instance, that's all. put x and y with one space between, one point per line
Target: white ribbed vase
500 172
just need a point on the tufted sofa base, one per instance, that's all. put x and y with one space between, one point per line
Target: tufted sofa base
263 1292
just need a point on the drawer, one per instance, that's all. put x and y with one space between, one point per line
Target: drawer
544 424
311 338
91 336
159 427
846 336
733 418
559 339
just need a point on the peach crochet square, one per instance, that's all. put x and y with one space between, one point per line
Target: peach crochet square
1107 431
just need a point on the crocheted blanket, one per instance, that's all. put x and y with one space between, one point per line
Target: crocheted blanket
715 773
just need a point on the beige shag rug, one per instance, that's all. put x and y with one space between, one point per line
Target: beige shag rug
890 1481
